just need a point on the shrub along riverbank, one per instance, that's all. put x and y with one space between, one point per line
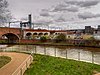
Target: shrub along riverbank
4 60
47 65
51 44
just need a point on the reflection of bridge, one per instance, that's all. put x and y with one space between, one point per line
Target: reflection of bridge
14 35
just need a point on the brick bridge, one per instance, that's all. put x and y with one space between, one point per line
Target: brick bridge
15 35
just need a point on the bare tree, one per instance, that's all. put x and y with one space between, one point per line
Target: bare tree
5 14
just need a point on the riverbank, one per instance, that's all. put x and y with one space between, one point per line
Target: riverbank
47 65
64 44
51 44
77 42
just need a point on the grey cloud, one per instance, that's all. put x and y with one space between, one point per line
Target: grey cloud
86 3
43 22
60 7
45 13
60 19
72 9
44 10
89 3
63 7
87 15
24 18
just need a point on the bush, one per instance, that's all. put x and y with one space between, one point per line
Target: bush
3 41
43 39
60 38
91 38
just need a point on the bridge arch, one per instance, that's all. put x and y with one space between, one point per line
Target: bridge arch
45 33
35 34
40 34
11 38
28 35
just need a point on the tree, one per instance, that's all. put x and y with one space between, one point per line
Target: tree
43 39
60 38
5 14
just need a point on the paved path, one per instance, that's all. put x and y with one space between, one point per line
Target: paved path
97 74
16 60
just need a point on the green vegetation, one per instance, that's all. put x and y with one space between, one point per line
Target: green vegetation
3 41
47 65
91 38
43 39
60 38
4 60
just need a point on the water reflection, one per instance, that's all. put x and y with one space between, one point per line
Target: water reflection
3 46
77 53
50 51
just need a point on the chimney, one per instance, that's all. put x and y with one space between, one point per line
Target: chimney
30 21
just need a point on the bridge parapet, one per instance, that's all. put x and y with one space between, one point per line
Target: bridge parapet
5 30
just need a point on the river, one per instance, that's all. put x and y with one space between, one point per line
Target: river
91 55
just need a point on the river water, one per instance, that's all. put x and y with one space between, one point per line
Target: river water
91 55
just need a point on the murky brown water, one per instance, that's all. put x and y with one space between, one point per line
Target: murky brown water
77 53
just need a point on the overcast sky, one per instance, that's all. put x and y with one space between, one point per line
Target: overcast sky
58 13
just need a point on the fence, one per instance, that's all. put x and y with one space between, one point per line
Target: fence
68 53
87 56
23 67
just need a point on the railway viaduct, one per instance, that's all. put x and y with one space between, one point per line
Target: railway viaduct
12 34
15 35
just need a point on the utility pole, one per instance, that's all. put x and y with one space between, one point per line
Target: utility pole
30 21
9 31
9 25
33 25
21 31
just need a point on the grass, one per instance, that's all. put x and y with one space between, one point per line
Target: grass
47 65
4 60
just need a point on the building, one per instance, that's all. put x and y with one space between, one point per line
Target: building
96 34
89 30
